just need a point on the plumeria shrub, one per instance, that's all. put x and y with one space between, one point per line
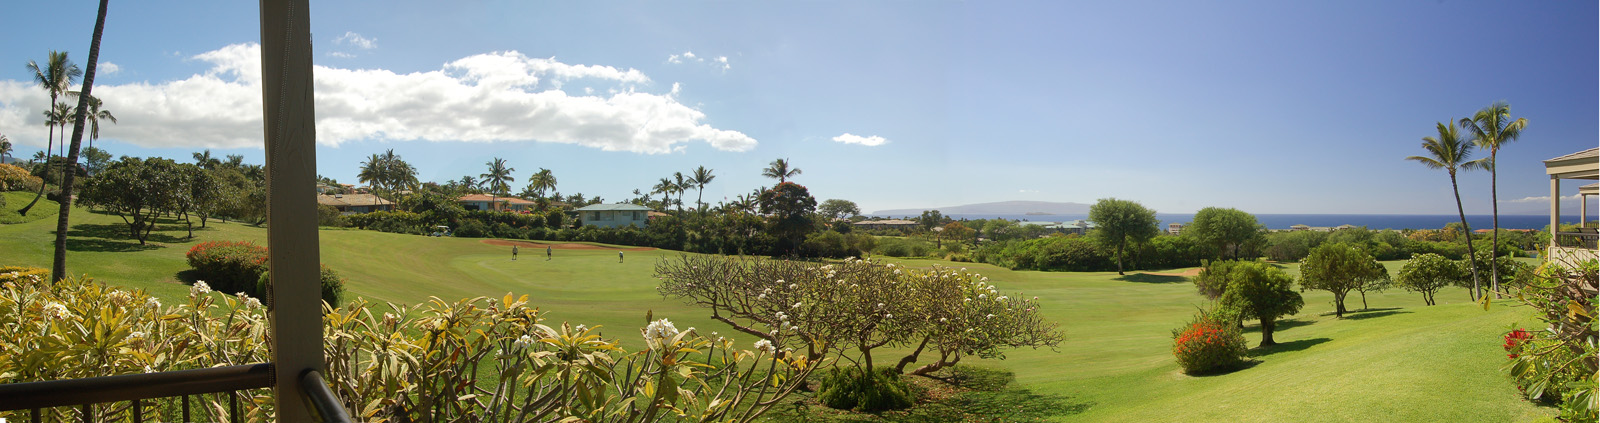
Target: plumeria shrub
1558 363
855 308
1208 344
465 361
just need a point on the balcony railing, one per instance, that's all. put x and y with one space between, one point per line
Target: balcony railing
137 388
1585 240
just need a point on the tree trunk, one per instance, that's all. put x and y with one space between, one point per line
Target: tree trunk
49 145
59 268
912 358
1120 242
1364 301
1494 238
866 358
1472 258
1338 302
1267 325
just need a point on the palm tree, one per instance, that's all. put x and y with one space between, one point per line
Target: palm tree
373 172
56 77
58 270
205 161
5 148
702 176
1493 127
665 187
779 169
541 181
1449 152
498 179
94 116
679 185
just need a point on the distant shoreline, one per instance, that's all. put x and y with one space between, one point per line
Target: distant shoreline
1284 221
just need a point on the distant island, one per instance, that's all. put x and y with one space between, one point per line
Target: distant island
1032 208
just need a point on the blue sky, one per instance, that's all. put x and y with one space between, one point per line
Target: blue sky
1270 107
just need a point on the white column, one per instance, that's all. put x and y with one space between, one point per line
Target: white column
1555 208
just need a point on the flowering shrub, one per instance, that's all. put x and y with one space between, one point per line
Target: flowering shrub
474 359
13 178
230 266
1208 344
1559 363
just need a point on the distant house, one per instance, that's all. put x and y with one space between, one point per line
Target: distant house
488 202
886 224
355 203
1174 228
1299 227
1075 227
613 215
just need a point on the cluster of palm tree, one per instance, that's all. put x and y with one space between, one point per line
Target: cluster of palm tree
679 184
56 76
1489 129
387 171
5 148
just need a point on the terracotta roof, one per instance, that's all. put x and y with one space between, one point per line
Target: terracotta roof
1585 154
352 200
488 198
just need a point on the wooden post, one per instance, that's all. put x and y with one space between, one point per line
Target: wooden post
1555 210
294 295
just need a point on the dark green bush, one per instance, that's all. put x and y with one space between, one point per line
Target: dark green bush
849 388
332 286
228 266
472 229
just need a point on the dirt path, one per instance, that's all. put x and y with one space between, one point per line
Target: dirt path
1186 273
564 246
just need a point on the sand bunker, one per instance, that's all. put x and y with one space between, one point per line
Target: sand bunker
529 244
1186 273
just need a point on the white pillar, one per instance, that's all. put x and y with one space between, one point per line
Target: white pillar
1555 208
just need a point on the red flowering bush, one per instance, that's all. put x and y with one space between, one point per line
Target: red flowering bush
1208 344
229 266
1514 341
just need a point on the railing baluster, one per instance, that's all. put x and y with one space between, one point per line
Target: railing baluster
35 414
233 406
88 415
186 418
138 411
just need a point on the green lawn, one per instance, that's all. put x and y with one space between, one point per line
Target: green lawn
17 199
1399 361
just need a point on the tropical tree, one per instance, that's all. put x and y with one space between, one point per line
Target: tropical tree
839 209
1261 291
1223 228
701 177
680 184
56 77
1339 268
374 172
541 181
5 148
96 113
59 267
397 174
205 161
1426 273
1491 128
498 179
779 169
1450 152
1118 221
665 187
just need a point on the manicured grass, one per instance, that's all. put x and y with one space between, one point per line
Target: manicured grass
1398 361
17 199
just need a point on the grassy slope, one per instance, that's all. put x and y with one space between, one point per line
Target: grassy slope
17 199
1399 362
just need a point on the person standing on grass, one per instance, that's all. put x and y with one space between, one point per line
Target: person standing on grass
513 253
547 253
619 256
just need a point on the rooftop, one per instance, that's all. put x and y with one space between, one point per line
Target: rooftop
616 207
489 198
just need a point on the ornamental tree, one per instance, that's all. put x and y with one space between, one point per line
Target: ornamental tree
138 191
1119 221
1339 268
1224 228
1426 273
1261 291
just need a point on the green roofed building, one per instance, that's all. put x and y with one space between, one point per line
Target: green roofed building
613 215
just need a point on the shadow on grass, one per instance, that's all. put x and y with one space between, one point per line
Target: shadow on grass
1291 346
1226 371
114 238
973 394
1149 278
1375 312
1282 325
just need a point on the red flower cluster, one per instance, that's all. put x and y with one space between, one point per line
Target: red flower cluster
1514 341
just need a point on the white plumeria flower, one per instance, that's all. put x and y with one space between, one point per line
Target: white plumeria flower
794 285
1003 298
982 296
765 346
200 288
524 342
659 331
581 328
57 311
796 305
888 316
761 297
990 316
251 302
153 302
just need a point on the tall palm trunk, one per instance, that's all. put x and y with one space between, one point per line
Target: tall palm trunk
1494 239
50 145
58 270
1472 257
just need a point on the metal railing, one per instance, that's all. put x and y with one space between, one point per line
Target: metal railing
1584 240
136 388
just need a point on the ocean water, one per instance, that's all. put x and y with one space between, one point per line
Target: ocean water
1284 221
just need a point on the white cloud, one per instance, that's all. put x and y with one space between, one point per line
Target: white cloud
350 38
493 97
1543 199
107 68
872 141
341 55
719 62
